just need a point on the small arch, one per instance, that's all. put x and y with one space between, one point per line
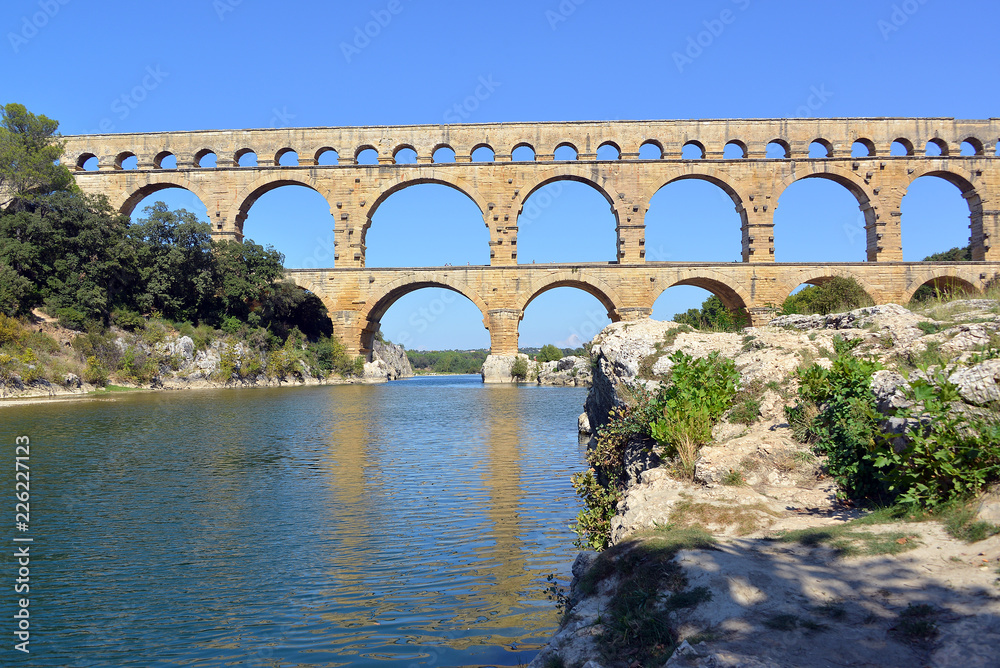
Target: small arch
936 147
126 160
651 149
206 158
863 148
734 150
165 160
87 162
609 151
901 146
820 148
972 146
246 157
997 151
565 152
482 153
693 150
366 155
778 149
943 285
443 153
523 153
286 157
405 155
327 156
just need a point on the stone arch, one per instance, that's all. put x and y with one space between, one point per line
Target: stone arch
122 157
702 173
127 201
972 197
401 147
821 275
282 152
574 278
267 182
566 172
944 279
371 316
309 286
733 295
568 144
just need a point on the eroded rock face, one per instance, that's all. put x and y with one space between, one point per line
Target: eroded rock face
885 316
979 385
497 368
569 371
389 362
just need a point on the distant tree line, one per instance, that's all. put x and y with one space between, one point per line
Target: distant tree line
447 361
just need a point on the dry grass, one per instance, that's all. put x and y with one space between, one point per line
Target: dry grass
744 519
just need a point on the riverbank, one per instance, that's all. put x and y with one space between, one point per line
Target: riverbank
755 559
40 359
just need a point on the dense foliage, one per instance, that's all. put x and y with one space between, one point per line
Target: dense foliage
833 296
29 151
679 417
713 315
948 452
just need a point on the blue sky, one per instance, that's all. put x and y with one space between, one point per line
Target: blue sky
250 63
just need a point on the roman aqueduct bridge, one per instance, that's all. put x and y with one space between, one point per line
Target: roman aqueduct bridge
856 154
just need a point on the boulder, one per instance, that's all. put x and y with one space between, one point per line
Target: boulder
497 368
394 362
980 384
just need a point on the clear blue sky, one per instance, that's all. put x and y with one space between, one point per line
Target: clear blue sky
250 63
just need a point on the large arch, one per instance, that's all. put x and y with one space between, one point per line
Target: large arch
566 172
944 279
734 297
127 201
392 292
972 197
653 250
853 183
604 293
264 184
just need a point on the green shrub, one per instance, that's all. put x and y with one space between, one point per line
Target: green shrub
845 419
520 369
549 353
950 455
95 373
130 321
11 331
833 296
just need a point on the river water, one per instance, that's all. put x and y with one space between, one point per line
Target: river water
406 524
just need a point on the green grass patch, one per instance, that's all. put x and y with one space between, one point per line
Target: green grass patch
116 388
849 541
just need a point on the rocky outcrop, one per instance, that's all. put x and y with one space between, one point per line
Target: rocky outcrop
755 480
389 362
497 368
569 371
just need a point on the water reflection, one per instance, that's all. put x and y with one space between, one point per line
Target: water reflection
410 523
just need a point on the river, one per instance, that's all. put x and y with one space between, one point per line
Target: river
406 524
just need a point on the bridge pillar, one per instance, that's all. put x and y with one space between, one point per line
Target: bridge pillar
984 248
347 327
631 313
503 324
758 229
883 232
631 232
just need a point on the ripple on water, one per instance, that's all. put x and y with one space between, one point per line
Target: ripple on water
413 522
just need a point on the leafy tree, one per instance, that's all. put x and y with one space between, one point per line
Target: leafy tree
288 307
953 255
175 263
549 353
245 272
834 296
713 315
69 251
29 149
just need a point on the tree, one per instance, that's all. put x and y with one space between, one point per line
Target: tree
953 255
176 266
834 296
549 353
29 149
713 315
244 274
